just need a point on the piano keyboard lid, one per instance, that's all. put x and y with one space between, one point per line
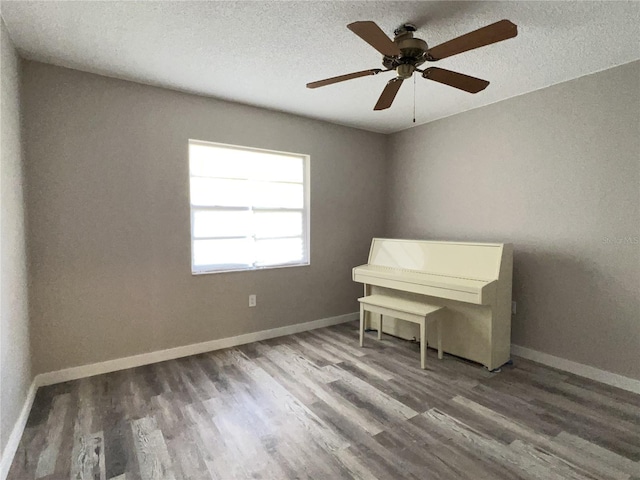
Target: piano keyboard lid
422 278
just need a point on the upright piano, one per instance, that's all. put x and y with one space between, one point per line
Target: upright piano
472 280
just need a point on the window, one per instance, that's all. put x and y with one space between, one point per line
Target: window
249 208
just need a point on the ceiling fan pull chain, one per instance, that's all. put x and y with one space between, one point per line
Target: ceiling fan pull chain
414 99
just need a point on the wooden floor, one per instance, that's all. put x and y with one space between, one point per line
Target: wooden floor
317 406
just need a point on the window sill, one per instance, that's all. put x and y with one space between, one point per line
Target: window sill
255 269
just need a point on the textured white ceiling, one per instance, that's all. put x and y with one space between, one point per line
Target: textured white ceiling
263 53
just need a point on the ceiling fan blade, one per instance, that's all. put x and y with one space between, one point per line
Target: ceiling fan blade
389 94
371 33
496 32
342 78
455 80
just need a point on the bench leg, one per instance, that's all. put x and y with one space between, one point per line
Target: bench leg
423 344
361 325
440 338
380 327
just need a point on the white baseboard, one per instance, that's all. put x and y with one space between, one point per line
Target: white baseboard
586 371
16 434
90 370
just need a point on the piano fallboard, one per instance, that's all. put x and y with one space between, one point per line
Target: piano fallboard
479 292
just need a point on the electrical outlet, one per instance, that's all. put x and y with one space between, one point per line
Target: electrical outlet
252 300
513 308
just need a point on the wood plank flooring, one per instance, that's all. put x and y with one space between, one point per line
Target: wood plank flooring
317 406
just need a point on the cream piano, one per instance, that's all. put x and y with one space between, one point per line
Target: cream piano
469 284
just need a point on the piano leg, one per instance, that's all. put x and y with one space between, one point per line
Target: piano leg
423 344
380 326
361 325
439 338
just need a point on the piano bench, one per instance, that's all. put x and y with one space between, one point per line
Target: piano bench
409 310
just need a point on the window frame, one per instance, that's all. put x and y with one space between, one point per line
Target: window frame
305 211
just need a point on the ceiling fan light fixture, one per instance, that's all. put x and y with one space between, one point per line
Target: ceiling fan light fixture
405 70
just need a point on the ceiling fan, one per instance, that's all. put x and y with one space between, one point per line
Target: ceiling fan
405 54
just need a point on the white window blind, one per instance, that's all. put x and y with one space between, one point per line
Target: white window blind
249 208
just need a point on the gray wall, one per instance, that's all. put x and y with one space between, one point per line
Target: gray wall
556 172
15 363
108 205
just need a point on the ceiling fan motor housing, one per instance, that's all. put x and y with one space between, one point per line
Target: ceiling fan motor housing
414 51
